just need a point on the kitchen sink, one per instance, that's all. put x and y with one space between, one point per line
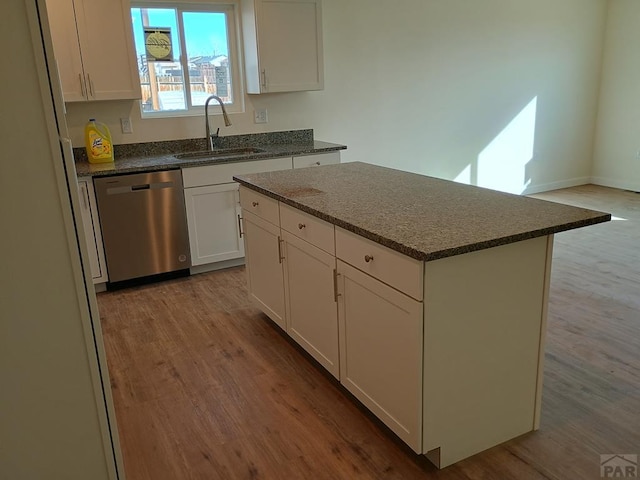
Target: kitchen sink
221 152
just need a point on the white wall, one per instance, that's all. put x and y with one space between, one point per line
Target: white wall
617 147
428 85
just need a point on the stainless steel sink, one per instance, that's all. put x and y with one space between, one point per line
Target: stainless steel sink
221 152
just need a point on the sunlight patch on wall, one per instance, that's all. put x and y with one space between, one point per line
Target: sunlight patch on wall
502 164
464 176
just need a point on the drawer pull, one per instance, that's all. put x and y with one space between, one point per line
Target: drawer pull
255 204
368 258
301 226
317 163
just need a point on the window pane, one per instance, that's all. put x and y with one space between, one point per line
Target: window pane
162 82
208 55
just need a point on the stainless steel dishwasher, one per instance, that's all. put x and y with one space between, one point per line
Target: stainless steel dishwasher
144 226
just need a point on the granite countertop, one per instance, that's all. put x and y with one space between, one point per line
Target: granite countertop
161 155
423 217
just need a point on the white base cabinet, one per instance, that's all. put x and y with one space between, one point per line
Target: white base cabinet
265 277
381 333
92 232
447 353
217 238
310 295
213 208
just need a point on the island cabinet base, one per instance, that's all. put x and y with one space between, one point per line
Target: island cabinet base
262 243
381 351
484 330
447 353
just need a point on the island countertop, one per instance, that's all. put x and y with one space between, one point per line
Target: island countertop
423 217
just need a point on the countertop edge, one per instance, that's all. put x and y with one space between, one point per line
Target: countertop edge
418 254
169 162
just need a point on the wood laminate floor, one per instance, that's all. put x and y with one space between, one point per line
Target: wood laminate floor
205 386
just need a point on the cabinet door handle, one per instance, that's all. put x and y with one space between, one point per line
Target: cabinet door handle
85 195
280 256
264 78
335 286
90 82
240 226
255 204
301 226
368 258
83 87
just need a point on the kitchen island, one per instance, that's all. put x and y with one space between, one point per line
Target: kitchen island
425 298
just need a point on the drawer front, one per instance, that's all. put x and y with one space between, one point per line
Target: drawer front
224 172
307 227
316 160
393 268
260 205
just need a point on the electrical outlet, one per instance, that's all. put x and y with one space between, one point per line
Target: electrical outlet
125 124
261 116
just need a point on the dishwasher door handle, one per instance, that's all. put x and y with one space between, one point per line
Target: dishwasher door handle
121 189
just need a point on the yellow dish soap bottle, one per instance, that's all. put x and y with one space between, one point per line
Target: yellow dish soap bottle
97 139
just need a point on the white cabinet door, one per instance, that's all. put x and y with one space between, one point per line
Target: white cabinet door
316 160
265 276
91 227
62 22
213 216
93 45
381 351
283 45
312 313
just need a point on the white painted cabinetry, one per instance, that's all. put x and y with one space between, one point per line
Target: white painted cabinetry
92 233
283 45
316 160
363 331
381 332
93 46
213 217
447 353
381 351
310 285
213 209
263 248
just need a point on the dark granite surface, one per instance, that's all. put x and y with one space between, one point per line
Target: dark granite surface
423 217
144 157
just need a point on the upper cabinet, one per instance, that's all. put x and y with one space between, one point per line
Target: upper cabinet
93 45
283 45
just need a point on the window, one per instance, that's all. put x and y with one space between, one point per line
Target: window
185 52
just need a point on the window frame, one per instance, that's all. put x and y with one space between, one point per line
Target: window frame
231 9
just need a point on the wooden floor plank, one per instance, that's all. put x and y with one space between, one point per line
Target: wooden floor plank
206 387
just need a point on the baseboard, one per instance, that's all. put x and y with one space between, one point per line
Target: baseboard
615 183
210 267
546 187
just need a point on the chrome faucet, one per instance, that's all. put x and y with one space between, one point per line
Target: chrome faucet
210 137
